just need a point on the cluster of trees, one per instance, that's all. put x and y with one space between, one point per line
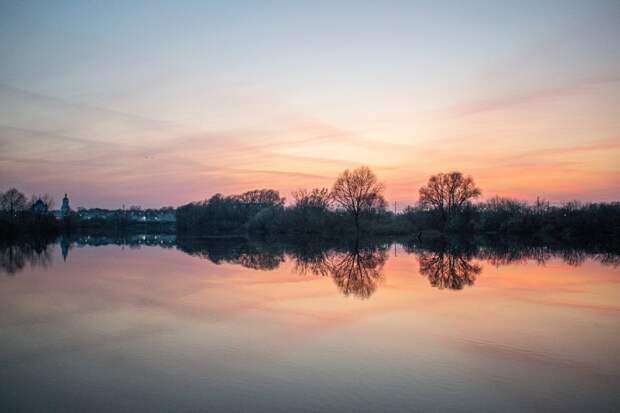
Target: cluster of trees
356 203
356 198
17 215
570 222
227 214
448 194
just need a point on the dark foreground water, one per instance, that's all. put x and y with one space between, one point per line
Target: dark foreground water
228 325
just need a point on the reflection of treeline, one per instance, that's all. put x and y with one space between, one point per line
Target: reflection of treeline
355 265
14 257
499 252
240 251
542 254
454 264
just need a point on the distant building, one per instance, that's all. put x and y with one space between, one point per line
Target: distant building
40 207
65 209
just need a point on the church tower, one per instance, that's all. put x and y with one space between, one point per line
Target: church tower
65 209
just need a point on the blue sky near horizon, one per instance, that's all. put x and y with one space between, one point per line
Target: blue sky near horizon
158 103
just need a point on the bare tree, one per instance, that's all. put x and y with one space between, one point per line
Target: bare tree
13 201
448 193
358 191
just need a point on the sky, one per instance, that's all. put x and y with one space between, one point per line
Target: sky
163 103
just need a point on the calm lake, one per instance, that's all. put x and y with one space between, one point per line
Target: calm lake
152 324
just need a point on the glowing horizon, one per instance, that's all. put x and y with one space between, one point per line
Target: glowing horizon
160 105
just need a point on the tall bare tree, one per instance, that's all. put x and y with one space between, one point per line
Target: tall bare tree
13 201
358 192
448 193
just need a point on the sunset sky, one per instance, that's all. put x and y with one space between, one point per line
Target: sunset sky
159 104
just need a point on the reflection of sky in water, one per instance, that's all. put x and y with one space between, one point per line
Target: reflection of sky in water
157 329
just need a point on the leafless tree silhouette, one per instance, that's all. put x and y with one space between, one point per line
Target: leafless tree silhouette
358 191
358 272
448 270
448 193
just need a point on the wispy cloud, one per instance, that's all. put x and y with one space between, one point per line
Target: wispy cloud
533 96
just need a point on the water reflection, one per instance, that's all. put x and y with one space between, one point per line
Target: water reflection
359 271
355 267
356 270
448 270
189 321
515 254
15 257
241 251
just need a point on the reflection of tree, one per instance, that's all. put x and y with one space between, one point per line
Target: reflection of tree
356 271
13 258
448 269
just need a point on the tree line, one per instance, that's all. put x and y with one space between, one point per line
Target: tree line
356 204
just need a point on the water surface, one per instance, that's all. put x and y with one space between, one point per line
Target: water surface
156 324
